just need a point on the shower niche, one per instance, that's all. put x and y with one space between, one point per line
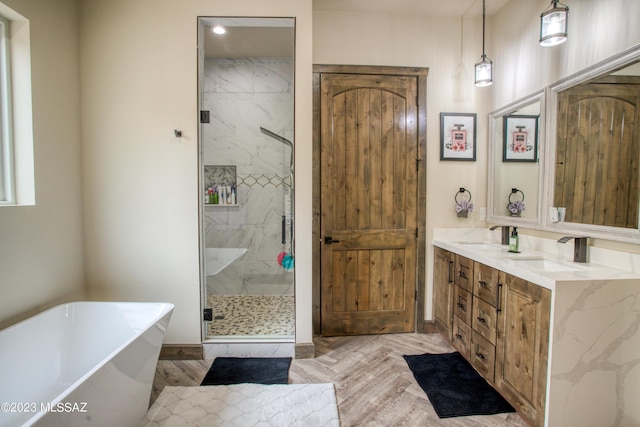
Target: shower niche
220 186
247 85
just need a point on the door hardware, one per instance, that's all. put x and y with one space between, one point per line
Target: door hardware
329 240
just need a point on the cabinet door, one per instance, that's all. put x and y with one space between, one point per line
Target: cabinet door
463 275
522 346
443 291
485 283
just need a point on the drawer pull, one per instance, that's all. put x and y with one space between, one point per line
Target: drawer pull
481 320
461 273
458 336
460 305
480 356
482 283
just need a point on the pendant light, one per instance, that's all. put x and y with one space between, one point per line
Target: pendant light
484 65
553 24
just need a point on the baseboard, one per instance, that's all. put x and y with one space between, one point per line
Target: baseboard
181 352
305 350
427 327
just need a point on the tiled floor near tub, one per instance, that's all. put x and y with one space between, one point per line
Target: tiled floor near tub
251 315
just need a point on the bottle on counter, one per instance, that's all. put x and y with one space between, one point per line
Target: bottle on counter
514 241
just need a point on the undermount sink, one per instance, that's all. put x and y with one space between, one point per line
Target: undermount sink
545 264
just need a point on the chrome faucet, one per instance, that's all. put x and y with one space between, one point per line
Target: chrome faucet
579 247
505 233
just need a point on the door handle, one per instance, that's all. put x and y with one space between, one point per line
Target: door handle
329 240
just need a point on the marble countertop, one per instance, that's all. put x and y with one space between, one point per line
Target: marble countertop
542 268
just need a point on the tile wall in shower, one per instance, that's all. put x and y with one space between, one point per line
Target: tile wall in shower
242 95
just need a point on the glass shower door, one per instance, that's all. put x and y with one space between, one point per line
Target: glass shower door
247 181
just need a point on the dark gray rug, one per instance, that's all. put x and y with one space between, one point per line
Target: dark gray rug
454 388
239 370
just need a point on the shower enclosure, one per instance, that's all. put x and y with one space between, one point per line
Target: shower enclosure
246 161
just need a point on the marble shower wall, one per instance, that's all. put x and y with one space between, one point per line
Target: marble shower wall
244 94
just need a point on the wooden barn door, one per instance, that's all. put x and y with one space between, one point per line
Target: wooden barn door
369 152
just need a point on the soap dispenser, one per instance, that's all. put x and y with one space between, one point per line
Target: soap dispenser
514 241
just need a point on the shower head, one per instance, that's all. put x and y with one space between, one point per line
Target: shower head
284 141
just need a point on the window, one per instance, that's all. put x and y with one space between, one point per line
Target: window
17 173
7 188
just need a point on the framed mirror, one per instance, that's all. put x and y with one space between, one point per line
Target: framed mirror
516 134
593 155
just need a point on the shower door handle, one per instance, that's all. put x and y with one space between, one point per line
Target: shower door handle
329 240
284 229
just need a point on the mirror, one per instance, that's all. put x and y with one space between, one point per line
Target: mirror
515 178
594 149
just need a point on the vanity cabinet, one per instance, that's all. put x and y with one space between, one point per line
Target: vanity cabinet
523 346
500 323
443 290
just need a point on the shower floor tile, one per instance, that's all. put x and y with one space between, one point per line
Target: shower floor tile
251 315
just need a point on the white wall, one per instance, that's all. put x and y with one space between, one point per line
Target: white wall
139 83
597 30
41 251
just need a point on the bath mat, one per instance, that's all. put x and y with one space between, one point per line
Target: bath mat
257 370
454 388
245 405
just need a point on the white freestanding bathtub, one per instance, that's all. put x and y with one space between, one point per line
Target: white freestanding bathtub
81 364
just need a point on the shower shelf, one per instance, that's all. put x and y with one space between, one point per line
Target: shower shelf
222 205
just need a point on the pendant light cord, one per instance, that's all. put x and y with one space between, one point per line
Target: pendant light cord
483 29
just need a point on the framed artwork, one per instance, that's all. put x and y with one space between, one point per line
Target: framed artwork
520 139
458 136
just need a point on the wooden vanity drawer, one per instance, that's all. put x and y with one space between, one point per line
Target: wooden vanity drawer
483 356
462 306
461 336
484 319
463 274
485 283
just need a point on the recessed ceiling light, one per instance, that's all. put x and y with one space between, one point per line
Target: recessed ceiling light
219 29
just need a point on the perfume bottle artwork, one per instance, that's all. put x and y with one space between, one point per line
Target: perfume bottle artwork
520 140
458 138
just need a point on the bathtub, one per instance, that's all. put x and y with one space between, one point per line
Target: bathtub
82 363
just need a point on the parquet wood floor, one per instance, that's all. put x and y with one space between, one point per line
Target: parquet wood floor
374 386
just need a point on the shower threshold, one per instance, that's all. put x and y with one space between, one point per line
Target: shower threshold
236 339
